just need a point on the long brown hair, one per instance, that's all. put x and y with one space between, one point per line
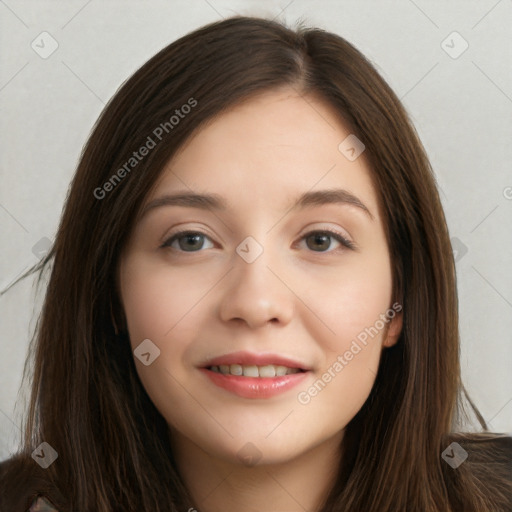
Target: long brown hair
87 401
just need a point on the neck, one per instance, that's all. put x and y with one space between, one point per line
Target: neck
221 485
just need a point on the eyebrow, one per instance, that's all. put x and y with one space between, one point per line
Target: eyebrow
217 202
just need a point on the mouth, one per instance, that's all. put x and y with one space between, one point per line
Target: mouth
266 371
237 362
250 375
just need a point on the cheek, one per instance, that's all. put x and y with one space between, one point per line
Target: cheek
350 305
162 306
156 311
158 300
350 302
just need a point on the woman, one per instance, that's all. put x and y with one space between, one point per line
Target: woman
253 302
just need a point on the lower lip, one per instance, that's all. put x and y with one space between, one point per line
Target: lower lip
255 387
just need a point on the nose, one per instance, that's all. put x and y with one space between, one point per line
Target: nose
257 293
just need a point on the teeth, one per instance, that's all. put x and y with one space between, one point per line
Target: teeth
269 370
281 370
236 369
251 371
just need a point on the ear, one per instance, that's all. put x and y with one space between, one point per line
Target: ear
394 330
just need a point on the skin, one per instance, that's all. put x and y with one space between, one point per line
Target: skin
305 301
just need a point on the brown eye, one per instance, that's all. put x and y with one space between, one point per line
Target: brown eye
321 241
187 241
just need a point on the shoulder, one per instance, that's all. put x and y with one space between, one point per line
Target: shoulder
26 487
483 460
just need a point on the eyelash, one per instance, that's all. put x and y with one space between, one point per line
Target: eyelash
334 234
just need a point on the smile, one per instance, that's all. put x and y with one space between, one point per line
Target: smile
255 387
255 375
269 370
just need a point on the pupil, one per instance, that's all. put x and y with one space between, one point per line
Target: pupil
322 240
194 240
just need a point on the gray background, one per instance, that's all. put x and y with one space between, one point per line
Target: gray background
460 102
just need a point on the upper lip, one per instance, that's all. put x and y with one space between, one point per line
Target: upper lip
250 358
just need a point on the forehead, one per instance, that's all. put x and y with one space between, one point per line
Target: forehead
269 149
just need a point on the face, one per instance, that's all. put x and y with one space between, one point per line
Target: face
260 283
